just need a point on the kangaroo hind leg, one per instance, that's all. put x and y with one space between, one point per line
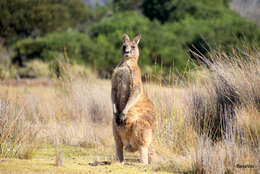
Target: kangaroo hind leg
119 146
143 150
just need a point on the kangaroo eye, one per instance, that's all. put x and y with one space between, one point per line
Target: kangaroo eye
133 47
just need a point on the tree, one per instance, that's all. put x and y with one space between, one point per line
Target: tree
23 18
175 10
157 9
122 5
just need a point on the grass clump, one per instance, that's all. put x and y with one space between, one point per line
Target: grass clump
17 133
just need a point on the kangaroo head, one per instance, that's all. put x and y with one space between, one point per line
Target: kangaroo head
130 47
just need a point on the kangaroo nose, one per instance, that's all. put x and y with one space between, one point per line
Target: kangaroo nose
126 50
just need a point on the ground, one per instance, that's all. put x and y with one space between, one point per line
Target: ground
76 160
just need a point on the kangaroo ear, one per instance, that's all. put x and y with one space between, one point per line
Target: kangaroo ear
137 39
125 38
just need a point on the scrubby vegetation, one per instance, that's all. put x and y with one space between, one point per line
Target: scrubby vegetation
209 124
93 36
22 18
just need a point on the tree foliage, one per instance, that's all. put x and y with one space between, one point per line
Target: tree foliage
175 10
123 5
23 18
169 28
76 45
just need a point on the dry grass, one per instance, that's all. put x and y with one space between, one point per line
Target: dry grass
210 125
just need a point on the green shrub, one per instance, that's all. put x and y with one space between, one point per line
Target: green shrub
164 48
157 44
23 18
228 32
175 10
76 45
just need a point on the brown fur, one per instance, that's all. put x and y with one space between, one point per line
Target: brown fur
134 116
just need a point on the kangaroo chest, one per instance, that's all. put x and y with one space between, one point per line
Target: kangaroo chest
123 78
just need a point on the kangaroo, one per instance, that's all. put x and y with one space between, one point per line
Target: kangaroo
133 112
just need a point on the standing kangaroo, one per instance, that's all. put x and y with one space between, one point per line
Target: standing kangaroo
134 116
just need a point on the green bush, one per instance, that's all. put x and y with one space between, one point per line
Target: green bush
165 44
123 5
23 18
157 44
175 10
76 45
228 32
169 44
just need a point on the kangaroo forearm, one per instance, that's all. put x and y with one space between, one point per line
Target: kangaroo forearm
132 100
130 104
